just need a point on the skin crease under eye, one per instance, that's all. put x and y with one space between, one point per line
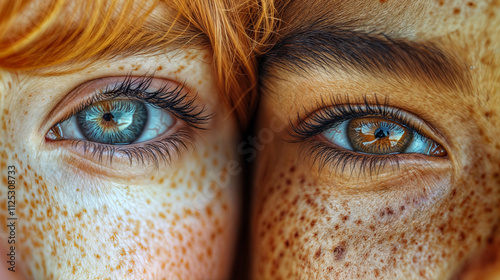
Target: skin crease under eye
84 220
435 220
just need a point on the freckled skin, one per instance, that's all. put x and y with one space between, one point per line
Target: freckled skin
174 222
438 220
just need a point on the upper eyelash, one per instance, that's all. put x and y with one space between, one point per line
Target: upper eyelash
342 109
339 109
170 99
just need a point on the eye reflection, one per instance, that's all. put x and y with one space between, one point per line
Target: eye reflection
379 136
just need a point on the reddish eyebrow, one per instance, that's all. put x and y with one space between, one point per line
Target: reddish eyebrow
333 48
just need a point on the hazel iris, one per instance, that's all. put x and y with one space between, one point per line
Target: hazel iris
378 136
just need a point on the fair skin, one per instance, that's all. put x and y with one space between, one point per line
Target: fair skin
84 217
417 215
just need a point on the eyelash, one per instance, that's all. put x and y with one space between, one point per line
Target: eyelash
160 151
340 109
173 100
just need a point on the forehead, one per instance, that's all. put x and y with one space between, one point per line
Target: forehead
400 18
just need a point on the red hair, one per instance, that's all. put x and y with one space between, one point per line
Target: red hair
81 32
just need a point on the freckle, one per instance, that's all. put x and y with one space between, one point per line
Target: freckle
288 182
318 253
382 1
471 4
209 211
159 68
339 251
456 11
461 236
121 68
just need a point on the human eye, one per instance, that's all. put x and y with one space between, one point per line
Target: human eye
146 119
365 136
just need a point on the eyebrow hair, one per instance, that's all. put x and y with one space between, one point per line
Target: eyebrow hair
331 47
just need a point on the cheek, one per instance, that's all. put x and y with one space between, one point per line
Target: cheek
179 223
423 227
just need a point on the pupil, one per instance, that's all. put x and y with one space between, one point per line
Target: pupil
107 117
381 132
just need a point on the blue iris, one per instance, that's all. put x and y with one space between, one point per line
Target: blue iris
113 122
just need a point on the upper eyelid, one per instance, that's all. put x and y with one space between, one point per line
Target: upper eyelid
296 130
88 92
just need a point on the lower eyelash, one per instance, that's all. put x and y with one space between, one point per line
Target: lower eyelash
158 152
339 159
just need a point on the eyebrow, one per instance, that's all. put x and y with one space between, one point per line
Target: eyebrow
334 48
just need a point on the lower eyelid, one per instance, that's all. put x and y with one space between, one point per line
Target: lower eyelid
150 153
334 162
